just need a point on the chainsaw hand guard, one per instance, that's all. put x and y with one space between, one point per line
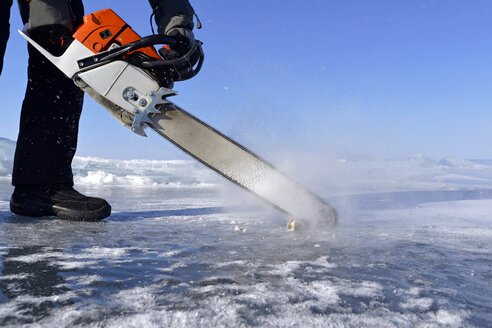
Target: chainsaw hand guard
184 67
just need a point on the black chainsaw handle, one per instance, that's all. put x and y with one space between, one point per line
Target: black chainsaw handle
183 68
111 54
152 40
186 66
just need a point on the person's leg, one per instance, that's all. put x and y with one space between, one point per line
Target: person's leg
49 122
48 126
50 113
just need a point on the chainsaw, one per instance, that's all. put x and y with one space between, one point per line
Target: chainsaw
125 74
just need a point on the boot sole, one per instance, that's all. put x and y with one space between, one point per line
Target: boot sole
32 209
37 209
72 215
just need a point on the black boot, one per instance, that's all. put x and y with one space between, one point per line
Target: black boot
61 201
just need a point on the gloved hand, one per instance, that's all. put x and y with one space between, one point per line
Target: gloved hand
175 19
184 38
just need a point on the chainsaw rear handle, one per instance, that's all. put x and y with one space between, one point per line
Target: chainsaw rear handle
185 67
114 53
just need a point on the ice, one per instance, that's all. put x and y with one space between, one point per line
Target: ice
7 148
420 304
84 280
139 173
142 173
357 174
413 249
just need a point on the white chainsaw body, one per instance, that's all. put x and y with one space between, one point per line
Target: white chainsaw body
119 82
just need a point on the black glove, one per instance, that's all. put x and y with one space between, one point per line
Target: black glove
175 19
184 38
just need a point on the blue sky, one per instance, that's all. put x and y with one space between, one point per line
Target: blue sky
381 78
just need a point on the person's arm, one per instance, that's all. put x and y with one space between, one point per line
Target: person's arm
172 14
4 28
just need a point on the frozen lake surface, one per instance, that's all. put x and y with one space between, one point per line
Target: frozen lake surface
413 249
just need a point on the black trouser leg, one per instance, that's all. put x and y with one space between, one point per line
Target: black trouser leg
49 124
48 127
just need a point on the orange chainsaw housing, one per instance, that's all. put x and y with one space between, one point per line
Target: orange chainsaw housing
104 28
